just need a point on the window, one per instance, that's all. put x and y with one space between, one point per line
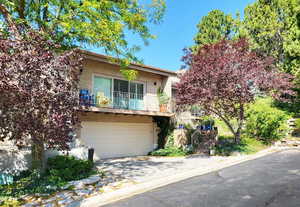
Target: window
137 90
136 101
102 91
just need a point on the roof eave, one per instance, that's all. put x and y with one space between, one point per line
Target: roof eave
145 68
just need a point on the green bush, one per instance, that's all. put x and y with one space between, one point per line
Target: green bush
10 202
170 141
60 170
297 123
189 132
31 184
265 122
226 146
67 168
223 129
170 152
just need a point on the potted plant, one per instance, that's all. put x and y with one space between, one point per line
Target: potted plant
163 100
102 100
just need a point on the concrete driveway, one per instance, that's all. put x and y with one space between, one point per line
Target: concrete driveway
271 181
143 169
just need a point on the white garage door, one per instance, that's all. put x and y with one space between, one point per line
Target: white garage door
118 139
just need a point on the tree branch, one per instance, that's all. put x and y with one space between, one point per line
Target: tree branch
12 26
227 122
21 9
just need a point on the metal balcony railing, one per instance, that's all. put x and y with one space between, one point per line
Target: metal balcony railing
119 100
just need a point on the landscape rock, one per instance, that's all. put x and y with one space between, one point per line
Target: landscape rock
42 194
49 205
91 180
73 197
74 204
76 198
83 192
64 195
77 184
65 201
30 204
67 186
49 200
99 184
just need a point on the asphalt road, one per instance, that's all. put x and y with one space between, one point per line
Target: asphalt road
271 181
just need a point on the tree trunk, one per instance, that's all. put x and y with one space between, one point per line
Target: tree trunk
237 137
38 156
240 119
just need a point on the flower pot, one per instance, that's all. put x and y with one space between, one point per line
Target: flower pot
163 108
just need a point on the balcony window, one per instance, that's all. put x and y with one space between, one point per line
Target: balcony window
102 91
119 94
136 101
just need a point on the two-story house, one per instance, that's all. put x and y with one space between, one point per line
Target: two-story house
119 120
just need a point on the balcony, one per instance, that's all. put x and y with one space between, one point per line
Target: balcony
119 103
118 100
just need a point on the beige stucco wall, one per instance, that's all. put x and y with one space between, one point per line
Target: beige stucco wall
151 81
100 117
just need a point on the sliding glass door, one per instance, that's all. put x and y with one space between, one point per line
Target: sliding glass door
136 101
102 91
120 94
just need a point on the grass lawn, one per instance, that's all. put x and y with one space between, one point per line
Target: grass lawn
223 129
228 147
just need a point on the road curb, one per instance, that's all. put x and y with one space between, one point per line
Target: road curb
106 198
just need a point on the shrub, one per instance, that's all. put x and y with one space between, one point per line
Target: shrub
226 146
297 123
68 168
170 141
61 169
10 202
265 122
189 132
163 98
223 129
31 184
170 152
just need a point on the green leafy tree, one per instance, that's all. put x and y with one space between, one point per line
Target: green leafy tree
273 31
214 27
100 23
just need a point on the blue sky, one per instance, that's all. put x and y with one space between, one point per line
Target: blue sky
178 30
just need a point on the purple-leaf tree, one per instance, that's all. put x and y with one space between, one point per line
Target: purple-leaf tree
39 94
224 77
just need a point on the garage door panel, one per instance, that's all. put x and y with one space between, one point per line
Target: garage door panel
118 139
